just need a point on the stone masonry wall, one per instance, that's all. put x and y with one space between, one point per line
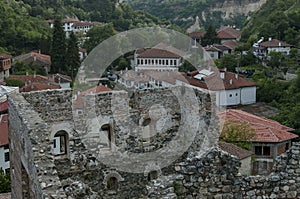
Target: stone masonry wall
82 174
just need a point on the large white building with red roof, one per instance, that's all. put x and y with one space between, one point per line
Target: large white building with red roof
229 88
271 138
160 57
73 25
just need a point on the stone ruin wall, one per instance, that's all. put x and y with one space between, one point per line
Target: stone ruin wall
215 175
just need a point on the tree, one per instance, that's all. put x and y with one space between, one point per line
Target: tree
229 61
4 182
275 59
237 133
98 34
72 56
58 48
210 37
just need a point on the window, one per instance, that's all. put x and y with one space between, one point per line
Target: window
236 94
287 146
258 150
6 146
108 134
112 184
152 175
60 143
230 95
263 150
6 156
266 150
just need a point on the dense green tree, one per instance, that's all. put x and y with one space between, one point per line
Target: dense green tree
72 56
4 182
58 48
210 37
229 61
98 34
275 59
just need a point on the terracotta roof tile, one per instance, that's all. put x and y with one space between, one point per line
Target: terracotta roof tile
3 129
197 35
274 43
78 104
232 44
5 56
3 106
32 78
82 23
5 196
214 81
33 55
228 32
234 150
156 53
38 87
266 130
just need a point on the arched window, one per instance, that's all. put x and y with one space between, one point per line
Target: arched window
60 142
107 137
112 184
152 175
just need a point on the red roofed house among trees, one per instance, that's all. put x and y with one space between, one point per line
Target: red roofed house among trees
271 138
229 33
5 65
229 88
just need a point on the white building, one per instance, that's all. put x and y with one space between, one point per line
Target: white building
229 88
4 147
262 48
73 25
159 58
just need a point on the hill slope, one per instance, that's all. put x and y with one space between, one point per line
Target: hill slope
216 12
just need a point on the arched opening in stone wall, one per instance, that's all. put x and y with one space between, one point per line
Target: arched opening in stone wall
152 175
112 183
60 143
106 136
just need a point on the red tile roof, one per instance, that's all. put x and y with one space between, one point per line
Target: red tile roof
46 59
232 44
5 196
156 53
5 56
3 129
197 35
59 78
228 32
214 81
234 150
3 106
266 130
38 87
78 104
82 23
274 43
31 78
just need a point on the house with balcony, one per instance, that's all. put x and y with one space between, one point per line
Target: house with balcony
271 139
263 48
160 58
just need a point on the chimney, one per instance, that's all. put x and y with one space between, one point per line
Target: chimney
279 44
236 76
222 74
270 38
34 74
26 73
230 81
